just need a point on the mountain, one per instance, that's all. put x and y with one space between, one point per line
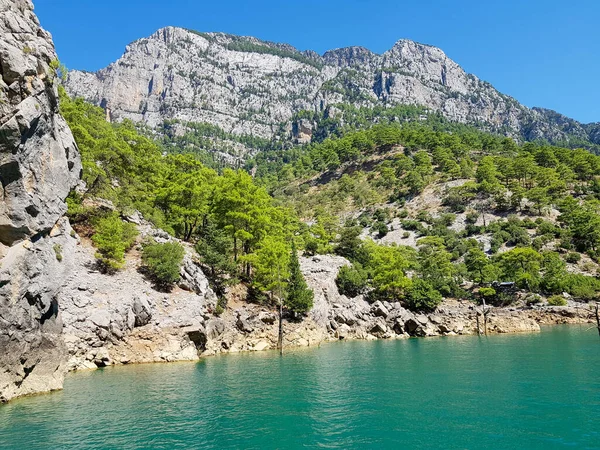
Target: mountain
246 86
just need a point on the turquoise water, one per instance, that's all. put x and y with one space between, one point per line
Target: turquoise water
501 392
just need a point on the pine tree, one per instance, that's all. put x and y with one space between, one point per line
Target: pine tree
299 297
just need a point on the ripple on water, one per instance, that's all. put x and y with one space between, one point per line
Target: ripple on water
520 391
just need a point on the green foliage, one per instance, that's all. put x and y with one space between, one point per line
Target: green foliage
388 266
435 265
487 292
299 298
271 266
557 300
163 261
240 44
112 238
215 247
521 265
352 280
221 305
422 296
573 257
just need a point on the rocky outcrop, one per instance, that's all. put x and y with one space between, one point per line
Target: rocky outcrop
248 86
122 318
39 165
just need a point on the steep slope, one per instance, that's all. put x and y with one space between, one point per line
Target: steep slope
251 87
39 165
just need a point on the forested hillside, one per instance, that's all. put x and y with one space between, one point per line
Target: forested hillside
423 209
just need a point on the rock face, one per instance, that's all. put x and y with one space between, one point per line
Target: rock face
122 318
39 165
248 86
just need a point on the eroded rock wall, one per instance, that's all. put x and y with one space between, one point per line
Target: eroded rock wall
216 78
39 165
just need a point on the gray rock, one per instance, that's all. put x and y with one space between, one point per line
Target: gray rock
268 318
199 77
142 311
379 327
101 319
215 328
39 165
380 310
243 324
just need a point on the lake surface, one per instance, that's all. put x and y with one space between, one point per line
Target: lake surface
518 391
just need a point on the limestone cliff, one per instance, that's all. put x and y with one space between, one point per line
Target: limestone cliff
39 165
248 86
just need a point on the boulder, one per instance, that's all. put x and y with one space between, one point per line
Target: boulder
378 327
267 318
101 318
215 328
141 311
380 310
243 324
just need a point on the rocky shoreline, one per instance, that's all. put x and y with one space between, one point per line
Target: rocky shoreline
128 323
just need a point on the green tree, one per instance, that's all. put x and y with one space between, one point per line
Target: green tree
112 238
421 296
479 266
215 249
521 265
163 261
352 280
435 264
270 265
299 298
389 264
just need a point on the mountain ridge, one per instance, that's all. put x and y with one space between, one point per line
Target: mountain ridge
248 86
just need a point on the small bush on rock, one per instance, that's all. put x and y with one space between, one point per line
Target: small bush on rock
163 261
557 300
113 238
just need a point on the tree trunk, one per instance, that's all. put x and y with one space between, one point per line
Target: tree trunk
598 317
280 338
484 318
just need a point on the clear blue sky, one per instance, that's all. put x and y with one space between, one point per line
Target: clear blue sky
542 52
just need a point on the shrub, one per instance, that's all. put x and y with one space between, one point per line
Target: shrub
163 261
582 286
421 296
113 238
573 257
351 280
557 300
533 299
471 217
221 305
487 292
311 247
381 229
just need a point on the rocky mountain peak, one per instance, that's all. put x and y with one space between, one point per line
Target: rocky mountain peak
247 86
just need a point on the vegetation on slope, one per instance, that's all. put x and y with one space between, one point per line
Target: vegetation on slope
226 215
529 212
